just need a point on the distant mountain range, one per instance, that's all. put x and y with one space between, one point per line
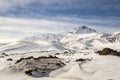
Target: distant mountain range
81 37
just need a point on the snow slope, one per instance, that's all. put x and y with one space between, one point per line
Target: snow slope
82 42
35 43
80 38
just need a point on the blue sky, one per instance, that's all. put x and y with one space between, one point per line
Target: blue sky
36 8
46 16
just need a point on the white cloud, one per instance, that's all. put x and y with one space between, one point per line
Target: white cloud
16 28
6 5
34 25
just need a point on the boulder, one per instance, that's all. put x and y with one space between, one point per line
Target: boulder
108 51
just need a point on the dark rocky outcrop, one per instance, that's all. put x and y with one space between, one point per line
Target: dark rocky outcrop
39 67
108 51
83 59
57 53
9 59
83 29
5 54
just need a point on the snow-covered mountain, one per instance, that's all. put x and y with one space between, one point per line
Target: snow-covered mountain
35 43
83 29
80 38
116 35
43 54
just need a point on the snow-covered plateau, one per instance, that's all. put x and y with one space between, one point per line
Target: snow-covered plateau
70 55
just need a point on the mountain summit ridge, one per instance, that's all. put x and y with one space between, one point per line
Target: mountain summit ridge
83 29
82 37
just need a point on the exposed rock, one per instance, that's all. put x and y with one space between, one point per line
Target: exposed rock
66 52
10 59
57 53
39 67
1 56
108 51
83 59
4 54
83 29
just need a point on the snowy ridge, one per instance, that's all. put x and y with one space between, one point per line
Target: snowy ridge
116 35
81 38
75 49
83 29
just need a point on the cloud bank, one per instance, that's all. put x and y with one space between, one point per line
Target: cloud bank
13 28
16 28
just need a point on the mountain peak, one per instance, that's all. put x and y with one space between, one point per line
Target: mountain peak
83 29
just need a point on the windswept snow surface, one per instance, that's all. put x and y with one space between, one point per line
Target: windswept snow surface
82 42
